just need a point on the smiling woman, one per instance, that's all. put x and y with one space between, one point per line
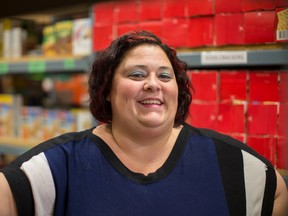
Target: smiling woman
145 87
143 159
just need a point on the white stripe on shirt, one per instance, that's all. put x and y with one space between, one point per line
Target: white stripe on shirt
255 179
39 174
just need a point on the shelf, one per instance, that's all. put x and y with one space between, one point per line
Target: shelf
194 59
43 65
235 58
15 146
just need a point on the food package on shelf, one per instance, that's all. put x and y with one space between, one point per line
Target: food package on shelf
30 124
82 36
49 121
64 37
10 106
84 119
1 38
7 38
66 122
71 90
19 37
49 41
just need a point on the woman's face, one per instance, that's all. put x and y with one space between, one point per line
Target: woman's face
144 89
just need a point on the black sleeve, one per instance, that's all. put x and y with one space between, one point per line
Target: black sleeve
21 189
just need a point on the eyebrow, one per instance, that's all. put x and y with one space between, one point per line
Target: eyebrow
145 67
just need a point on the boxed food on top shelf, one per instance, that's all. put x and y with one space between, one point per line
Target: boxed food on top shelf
82 36
49 41
1 39
68 37
7 37
18 37
64 37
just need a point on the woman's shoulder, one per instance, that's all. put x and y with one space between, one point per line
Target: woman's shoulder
226 144
241 165
51 143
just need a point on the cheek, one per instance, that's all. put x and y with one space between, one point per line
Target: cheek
125 92
172 91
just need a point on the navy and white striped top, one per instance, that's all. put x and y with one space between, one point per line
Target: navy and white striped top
207 173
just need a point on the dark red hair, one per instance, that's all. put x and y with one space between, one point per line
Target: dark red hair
106 62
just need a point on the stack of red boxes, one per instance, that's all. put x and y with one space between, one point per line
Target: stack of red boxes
246 104
193 23
223 103
249 105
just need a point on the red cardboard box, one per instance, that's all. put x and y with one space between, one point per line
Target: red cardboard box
228 6
203 115
281 3
126 27
233 85
229 28
231 118
253 5
262 119
150 10
174 32
104 13
264 86
284 86
202 7
282 154
201 31
174 9
152 26
259 27
264 146
283 121
127 11
240 137
102 36
205 85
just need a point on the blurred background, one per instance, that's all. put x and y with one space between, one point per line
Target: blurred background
236 52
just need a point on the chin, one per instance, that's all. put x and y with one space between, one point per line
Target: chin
153 123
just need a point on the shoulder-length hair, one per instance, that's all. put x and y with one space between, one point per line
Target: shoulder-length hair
106 62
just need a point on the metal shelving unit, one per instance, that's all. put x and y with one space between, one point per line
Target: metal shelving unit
44 65
203 59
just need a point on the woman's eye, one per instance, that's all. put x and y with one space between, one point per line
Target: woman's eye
137 74
165 76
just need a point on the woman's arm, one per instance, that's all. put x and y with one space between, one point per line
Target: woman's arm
281 197
7 204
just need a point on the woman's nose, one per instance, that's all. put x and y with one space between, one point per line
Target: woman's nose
152 83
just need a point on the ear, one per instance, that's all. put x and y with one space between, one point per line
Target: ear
108 98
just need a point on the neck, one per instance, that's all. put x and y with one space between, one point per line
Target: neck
147 151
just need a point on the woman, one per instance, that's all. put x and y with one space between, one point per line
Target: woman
142 159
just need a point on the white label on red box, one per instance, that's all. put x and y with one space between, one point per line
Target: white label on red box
224 57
